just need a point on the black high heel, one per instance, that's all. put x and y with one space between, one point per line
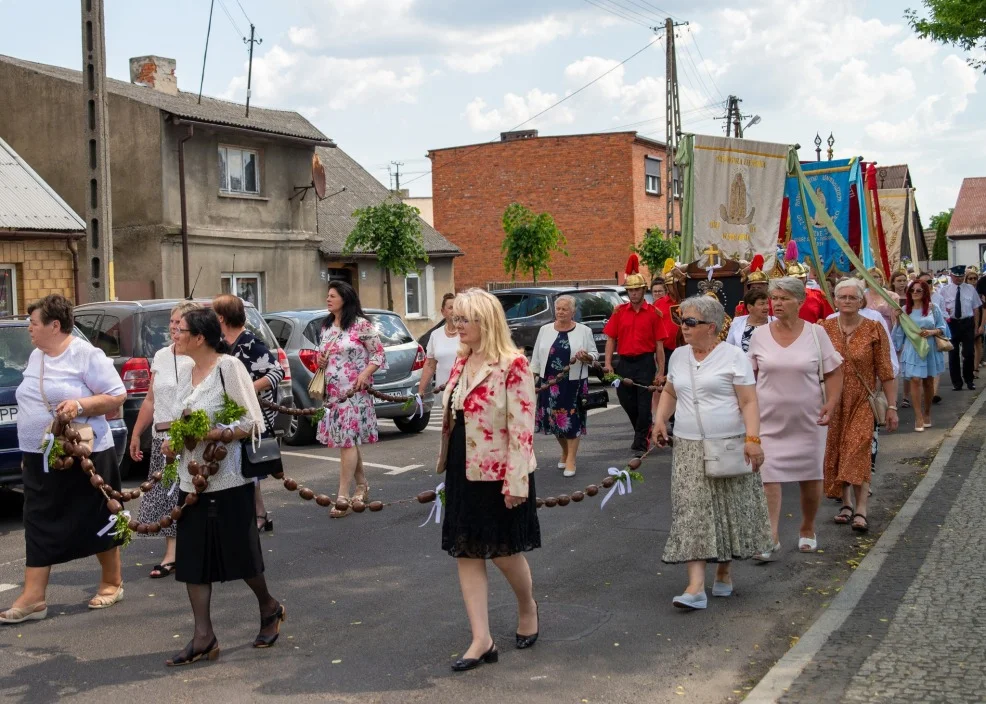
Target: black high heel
262 641
490 656
528 641
268 525
188 655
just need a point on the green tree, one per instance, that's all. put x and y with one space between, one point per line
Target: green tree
392 231
960 23
940 222
530 241
655 249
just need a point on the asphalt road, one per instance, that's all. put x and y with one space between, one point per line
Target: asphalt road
375 614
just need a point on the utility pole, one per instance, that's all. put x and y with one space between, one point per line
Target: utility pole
251 41
99 207
672 120
734 120
397 176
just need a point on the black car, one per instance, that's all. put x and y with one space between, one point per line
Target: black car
15 350
527 309
131 332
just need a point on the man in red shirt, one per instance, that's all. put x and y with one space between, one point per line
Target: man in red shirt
636 331
816 306
755 279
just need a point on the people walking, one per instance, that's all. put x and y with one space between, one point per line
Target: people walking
866 352
487 456
262 366
163 404
560 408
876 302
898 284
756 280
217 537
442 351
962 303
63 514
799 379
712 392
741 329
635 331
350 352
920 372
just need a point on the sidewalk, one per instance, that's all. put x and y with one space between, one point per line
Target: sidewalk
909 625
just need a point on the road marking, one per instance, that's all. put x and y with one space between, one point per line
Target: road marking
7 587
324 458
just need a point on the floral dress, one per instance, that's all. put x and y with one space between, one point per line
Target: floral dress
559 411
353 421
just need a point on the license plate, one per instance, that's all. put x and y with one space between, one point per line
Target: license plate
599 337
401 392
8 415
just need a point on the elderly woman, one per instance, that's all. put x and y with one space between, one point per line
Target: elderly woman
169 371
351 353
799 378
865 350
63 514
443 349
560 411
920 372
712 392
741 329
487 456
217 538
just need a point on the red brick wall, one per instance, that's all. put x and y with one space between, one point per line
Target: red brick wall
648 210
586 182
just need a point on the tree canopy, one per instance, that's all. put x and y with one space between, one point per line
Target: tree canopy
960 23
940 223
655 249
392 231
529 241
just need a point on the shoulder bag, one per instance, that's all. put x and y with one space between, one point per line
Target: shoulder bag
724 457
821 371
877 399
87 436
260 459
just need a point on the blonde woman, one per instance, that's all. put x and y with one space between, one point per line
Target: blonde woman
487 456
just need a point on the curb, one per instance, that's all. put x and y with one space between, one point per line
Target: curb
781 676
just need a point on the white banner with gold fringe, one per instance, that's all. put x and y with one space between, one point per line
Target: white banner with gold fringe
893 213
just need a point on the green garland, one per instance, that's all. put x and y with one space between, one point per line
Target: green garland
317 416
122 530
441 496
57 450
196 426
170 473
610 378
231 412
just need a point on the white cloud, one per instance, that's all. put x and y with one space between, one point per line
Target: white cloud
914 50
516 109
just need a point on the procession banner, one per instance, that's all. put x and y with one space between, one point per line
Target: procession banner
830 181
734 189
912 233
893 212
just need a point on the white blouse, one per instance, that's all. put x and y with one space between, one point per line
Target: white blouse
170 372
725 367
80 372
208 397
444 350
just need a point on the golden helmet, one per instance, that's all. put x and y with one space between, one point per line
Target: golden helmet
633 278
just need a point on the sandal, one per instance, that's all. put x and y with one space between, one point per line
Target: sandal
31 613
906 403
163 570
808 544
336 513
362 492
188 655
860 527
841 518
105 601
262 641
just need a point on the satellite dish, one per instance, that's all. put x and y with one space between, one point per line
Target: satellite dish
318 177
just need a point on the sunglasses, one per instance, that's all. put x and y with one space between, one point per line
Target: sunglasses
693 322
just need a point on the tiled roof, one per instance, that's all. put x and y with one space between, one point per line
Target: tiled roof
335 212
969 218
27 202
186 105
895 176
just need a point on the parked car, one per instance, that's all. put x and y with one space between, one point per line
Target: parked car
298 332
131 332
15 350
527 309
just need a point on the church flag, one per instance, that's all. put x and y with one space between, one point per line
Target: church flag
830 181
893 212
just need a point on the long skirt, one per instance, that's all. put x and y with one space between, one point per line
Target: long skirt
63 512
160 500
218 539
716 520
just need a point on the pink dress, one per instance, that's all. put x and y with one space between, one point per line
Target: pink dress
790 399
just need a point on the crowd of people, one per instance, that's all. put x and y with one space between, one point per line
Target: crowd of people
791 390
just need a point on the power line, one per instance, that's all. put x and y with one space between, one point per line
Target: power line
623 8
617 14
704 62
661 11
236 28
244 12
698 74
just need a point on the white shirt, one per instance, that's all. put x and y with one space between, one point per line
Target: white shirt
970 300
871 314
738 327
170 372
579 340
725 367
443 349
81 371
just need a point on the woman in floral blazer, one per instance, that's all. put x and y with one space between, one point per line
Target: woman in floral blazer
487 456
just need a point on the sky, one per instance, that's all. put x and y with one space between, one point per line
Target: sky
390 79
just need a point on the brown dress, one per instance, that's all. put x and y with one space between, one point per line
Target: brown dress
850 435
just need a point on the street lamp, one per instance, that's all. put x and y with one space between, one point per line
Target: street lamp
830 141
751 123
818 147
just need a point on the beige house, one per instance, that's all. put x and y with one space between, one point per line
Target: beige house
426 207
416 297
243 209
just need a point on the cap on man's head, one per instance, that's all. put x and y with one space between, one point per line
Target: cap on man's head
958 270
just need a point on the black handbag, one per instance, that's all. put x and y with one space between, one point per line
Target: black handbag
261 460
597 398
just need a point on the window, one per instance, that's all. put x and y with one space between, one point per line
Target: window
8 290
246 286
239 170
281 330
87 324
652 175
108 336
594 305
676 175
313 331
519 305
390 329
413 295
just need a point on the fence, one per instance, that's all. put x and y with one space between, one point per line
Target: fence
567 283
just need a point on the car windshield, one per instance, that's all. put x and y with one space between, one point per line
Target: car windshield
594 305
389 327
155 333
15 350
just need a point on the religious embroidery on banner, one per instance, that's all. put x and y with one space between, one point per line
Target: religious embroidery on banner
734 211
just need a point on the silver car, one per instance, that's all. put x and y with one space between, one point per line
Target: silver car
298 333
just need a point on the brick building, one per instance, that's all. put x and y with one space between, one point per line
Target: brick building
603 190
38 236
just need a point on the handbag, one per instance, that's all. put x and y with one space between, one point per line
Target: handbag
724 457
598 398
877 399
257 460
944 344
821 372
87 436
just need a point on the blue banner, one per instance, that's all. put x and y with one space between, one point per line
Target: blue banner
830 180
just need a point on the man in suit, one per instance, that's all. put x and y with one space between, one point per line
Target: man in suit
962 304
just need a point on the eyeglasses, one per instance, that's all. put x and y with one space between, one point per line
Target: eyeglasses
462 320
177 329
693 322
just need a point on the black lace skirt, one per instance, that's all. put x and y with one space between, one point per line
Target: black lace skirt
477 523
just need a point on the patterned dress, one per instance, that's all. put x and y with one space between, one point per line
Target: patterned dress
559 410
353 421
260 362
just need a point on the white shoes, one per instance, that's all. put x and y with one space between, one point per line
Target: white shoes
722 588
768 555
691 601
569 472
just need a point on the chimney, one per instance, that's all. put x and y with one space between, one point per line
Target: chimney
155 72
518 135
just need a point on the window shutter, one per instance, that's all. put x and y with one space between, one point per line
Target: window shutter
428 291
652 166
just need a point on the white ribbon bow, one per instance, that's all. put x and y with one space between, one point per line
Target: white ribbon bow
110 524
436 506
421 406
620 475
616 383
49 444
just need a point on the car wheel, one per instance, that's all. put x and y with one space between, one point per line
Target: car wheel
301 431
414 424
